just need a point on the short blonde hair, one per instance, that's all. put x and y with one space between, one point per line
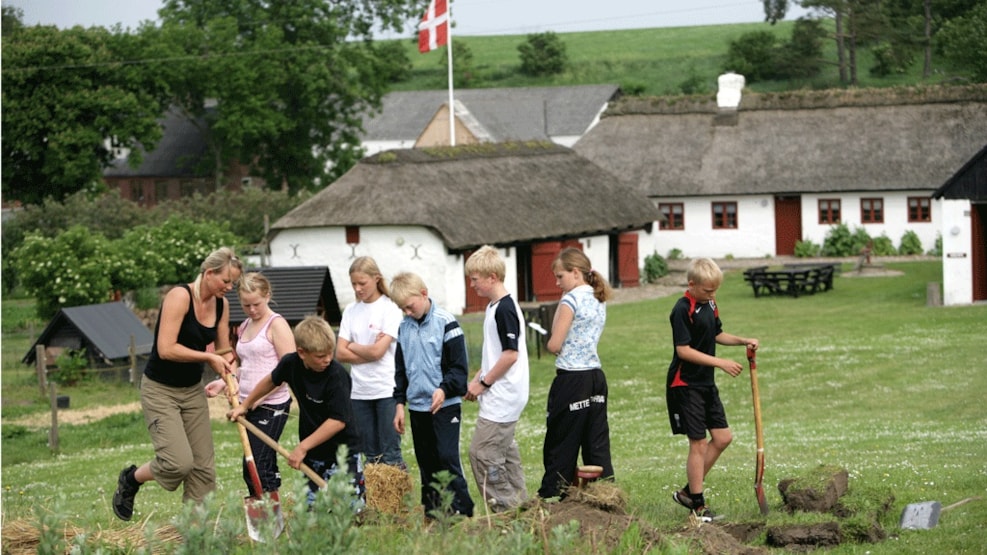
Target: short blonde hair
314 335
703 271
256 283
406 285
486 261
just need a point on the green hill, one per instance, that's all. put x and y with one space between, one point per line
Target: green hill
648 62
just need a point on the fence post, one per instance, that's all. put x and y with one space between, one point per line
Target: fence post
41 366
53 432
132 351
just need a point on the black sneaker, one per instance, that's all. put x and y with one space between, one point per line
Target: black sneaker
682 498
704 514
123 499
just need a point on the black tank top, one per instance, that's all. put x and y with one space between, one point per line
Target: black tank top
193 335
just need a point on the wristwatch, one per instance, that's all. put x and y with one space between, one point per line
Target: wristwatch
484 384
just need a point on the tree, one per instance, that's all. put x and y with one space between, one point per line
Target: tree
753 55
543 54
462 64
964 41
68 99
287 82
774 10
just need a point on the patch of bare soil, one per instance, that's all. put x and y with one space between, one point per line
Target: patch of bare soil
218 408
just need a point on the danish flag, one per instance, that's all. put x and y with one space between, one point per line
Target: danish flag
433 31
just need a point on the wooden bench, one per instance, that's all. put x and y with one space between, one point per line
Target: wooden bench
792 280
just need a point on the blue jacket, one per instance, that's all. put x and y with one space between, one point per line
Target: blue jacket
431 354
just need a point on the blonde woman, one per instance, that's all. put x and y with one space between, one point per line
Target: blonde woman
192 316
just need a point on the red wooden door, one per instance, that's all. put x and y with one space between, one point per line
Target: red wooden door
788 224
627 269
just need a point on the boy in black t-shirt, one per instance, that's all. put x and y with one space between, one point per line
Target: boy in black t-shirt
693 400
322 388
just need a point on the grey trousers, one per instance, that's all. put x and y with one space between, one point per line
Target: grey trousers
496 464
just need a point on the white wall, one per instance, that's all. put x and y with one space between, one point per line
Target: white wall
957 265
753 238
895 217
395 248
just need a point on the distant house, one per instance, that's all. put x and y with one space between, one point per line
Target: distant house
426 210
410 119
179 166
783 168
964 232
296 292
105 331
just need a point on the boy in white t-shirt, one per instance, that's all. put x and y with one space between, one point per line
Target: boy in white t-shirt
500 386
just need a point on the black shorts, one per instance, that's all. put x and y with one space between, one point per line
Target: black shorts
693 410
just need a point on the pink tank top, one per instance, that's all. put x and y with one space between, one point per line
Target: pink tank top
258 358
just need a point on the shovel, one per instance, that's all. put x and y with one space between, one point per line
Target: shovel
254 507
762 501
312 475
925 515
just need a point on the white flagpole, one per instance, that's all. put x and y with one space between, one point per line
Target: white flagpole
452 109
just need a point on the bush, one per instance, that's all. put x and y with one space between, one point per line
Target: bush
883 246
840 241
543 54
806 249
674 254
655 267
71 367
174 250
753 55
910 244
937 249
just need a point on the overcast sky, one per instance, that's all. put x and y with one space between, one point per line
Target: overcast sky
471 17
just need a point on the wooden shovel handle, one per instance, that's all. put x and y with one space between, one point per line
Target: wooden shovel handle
248 453
277 447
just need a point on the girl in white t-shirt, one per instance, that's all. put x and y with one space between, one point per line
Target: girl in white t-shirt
367 341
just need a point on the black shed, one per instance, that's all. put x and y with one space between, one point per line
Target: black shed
296 292
103 330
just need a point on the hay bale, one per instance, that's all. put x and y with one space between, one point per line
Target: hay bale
602 494
387 486
23 536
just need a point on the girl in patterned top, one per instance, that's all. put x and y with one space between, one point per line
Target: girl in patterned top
577 400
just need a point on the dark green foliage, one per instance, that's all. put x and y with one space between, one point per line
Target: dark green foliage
807 249
753 55
840 241
695 84
393 63
910 244
655 267
543 54
802 56
964 42
883 246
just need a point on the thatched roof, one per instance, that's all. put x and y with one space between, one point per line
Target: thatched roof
500 194
789 147
969 182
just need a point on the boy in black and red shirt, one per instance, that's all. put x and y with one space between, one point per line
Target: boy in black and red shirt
693 401
322 388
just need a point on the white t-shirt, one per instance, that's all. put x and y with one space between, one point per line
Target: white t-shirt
360 324
504 324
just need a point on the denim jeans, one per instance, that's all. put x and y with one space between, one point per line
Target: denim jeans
375 420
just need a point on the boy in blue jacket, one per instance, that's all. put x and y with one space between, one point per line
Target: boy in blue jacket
431 369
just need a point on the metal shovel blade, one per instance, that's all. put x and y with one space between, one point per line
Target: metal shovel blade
259 511
920 516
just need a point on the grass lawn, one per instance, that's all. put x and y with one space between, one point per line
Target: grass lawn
865 377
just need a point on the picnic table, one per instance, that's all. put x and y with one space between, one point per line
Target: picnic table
792 280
